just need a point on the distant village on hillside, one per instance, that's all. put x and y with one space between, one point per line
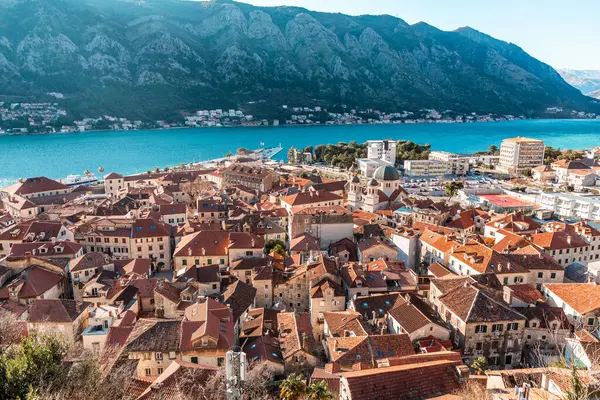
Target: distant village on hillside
52 117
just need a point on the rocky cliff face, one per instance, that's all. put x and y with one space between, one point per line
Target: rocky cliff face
161 57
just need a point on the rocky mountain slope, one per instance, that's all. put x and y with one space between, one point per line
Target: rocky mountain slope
155 58
588 81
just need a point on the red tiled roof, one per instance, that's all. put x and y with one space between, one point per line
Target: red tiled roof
407 382
55 310
582 297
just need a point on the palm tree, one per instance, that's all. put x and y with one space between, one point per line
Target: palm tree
318 391
292 388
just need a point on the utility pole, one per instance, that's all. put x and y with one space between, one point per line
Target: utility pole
235 369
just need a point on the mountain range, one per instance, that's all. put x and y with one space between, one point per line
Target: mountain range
158 58
587 80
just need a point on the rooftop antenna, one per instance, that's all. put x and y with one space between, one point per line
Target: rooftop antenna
235 372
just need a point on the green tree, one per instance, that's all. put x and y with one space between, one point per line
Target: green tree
230 154
576 390
493 149
308 149
318 391
274 245
479 365
453 187
292 388
291 155
279 249
35 362
319 151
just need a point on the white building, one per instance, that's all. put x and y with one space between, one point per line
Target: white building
367 166
459 165
571 206
384 150
520 154
427 168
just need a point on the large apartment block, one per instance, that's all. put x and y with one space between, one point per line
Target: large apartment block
520 154
458 165
426 168
384 150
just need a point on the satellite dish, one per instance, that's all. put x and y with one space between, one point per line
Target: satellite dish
100 169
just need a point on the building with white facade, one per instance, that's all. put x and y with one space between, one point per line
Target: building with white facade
384 150
426 168
520 154
458 165
571 206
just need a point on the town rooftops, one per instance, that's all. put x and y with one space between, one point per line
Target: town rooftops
311 197
471 304
143 228
558 240
408 382
304 242
113 175
34 185
216 243
581 297
88 261
349 350
55 311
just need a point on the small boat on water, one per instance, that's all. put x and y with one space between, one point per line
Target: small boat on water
78 180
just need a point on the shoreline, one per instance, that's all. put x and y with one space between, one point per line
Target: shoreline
288 126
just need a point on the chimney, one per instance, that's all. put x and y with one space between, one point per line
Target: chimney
569 239
78 306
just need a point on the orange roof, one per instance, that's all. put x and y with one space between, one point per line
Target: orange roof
581 297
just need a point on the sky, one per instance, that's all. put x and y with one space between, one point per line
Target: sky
564 34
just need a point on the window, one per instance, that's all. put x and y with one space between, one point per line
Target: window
497 327
220 361
148 372
513 326
478 346
480 329
172 355
194 360
159 370
506 281
540 275
209 261
508 359
158 356
590 321
183 262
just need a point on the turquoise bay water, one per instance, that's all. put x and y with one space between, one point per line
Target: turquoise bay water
58 155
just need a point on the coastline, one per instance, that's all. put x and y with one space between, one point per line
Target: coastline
292 126
273 126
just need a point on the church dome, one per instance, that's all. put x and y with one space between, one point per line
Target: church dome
355 179
373 182
386 173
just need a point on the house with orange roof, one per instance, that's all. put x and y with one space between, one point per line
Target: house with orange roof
580 302
217 248
296 341
311 198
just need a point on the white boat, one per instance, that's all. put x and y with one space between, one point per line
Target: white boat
77 180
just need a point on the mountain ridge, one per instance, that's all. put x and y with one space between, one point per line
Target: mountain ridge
159 58
586 80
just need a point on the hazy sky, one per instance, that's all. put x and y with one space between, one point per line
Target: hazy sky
564 34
